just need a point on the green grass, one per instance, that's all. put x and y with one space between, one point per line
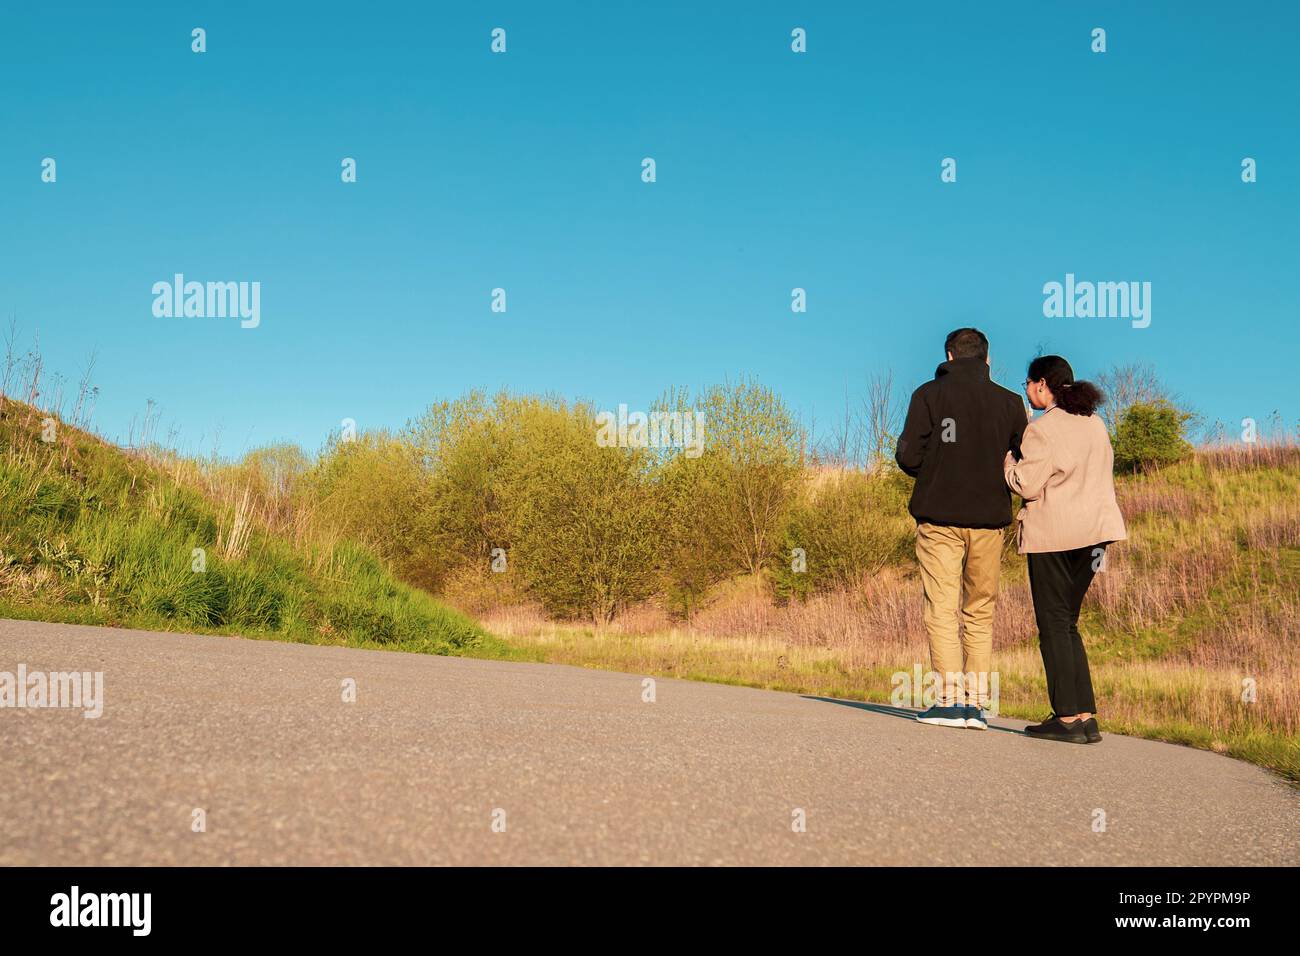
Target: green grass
90 534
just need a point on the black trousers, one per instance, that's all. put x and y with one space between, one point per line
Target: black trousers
1058 580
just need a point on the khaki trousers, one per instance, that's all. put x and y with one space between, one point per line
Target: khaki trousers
959 570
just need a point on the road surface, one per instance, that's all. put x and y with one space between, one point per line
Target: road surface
458 761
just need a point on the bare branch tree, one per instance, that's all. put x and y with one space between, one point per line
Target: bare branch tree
882 418
845 447
1125 386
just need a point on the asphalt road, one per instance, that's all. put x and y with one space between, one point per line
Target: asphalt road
457 761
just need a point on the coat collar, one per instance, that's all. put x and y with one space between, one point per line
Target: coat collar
963 366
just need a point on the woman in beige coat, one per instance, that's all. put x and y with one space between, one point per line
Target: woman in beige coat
1065 476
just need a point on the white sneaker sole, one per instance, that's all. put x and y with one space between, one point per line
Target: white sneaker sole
944 721
974 724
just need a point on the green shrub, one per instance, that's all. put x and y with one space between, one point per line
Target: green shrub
847 527
1150 434
372 490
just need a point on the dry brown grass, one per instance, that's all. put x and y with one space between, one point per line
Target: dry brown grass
1199 602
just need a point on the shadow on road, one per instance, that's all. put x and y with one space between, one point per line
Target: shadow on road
891 711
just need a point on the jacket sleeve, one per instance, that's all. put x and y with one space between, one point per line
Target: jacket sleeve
1028 476
1019 420
912 443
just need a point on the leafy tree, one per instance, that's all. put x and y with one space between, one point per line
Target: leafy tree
583 518
464 448
748 474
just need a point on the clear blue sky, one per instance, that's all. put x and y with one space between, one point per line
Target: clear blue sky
775 170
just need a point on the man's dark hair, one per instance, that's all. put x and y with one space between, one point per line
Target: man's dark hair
967 343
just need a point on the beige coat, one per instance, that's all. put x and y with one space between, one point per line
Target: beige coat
1066 477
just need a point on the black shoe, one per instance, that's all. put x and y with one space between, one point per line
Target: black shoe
1054 729
1091 731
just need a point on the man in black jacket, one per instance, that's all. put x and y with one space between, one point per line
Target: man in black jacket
958 431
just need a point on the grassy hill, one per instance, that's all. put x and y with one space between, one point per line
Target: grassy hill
90 533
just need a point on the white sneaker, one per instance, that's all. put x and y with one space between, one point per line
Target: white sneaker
944 716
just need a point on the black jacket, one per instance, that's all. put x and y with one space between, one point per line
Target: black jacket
958 431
